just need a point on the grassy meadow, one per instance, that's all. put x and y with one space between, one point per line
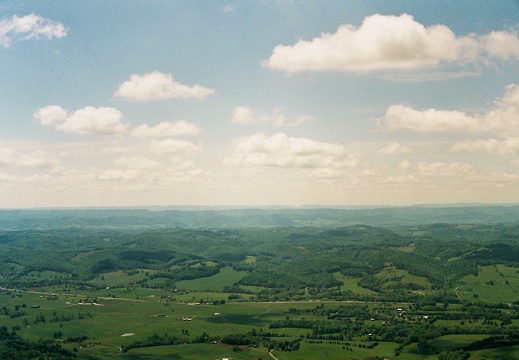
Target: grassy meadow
495 283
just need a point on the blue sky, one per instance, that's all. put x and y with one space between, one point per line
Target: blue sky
131 103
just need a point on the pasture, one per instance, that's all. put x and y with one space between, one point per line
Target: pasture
226 277
495 283
395 277
351 283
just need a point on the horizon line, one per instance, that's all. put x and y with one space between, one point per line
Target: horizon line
259 207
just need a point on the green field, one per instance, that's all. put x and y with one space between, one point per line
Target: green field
509 352
496 283
454 342
352 285
397 277
226 277
109 323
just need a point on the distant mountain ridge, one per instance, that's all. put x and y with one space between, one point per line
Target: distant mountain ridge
121 218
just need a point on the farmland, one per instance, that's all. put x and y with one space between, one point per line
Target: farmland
421 291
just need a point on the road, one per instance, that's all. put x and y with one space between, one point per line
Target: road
272 355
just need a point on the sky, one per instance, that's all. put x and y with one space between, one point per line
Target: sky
255 103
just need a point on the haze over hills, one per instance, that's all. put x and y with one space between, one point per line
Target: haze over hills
195 217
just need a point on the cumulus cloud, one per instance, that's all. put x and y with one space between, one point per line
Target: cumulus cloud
115 150
159 86
88 120
7 178
168 146
501 44
389 43
167 129
501 119
116 174
243 115
395 148
438 168
29 27
50 115
405 164
430 120
504 116
147 173
494 146
132 173
34 159
280 150
138 162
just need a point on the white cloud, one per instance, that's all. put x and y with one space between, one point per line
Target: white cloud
506 146
167 129
148 174
138 162
88 120
50 115
501 44
159 86
419 76
280 150
167 146
501 119
243 115
399 180
115 150
134 173
29 27
405 164
7 178
229 8
395 148
389 42
34 159
301 119
115 174
438 168
431 120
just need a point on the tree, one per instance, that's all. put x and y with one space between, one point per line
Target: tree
424 347
453 355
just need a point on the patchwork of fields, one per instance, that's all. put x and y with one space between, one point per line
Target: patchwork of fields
360 292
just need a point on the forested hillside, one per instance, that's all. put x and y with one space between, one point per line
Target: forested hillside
254 217
289 259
